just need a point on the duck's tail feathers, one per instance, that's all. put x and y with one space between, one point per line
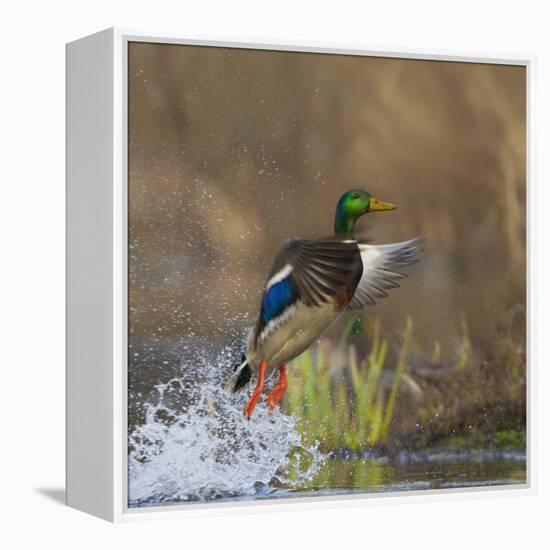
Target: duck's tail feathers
240 377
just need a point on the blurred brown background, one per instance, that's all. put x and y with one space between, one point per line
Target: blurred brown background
232 151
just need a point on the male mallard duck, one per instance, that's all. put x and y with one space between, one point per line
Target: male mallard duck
310 284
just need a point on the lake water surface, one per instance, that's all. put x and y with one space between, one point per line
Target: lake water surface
367 475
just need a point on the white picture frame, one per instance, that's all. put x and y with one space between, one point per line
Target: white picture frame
97 273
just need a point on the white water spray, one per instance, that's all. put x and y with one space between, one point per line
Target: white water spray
196 444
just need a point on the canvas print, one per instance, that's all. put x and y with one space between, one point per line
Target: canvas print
327 274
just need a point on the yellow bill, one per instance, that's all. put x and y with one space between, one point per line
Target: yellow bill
375 204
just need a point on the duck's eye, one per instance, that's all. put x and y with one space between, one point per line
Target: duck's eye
356 195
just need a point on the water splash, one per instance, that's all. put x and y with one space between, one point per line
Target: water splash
196 444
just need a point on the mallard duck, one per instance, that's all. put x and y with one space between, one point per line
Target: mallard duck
311 283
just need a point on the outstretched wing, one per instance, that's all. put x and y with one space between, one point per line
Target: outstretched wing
312 272
381 269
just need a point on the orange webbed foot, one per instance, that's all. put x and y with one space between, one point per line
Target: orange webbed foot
277 393
249 409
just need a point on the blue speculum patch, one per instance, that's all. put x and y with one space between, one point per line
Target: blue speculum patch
277 299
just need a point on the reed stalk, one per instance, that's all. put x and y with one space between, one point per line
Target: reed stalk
337 398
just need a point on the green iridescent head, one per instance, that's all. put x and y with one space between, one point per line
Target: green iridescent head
354 204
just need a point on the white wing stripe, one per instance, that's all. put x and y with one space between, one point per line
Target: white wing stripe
279 276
